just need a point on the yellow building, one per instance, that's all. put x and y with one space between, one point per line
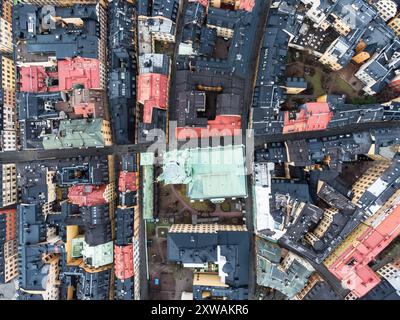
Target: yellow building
8 188
395 24
361 57
63 3
368 178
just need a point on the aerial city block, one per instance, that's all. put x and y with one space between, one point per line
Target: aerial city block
200 150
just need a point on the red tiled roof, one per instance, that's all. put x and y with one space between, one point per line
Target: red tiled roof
85 109
247 5
11 223
152 93
79 70
33 79
123 261
352 266
87 195
222 126
243 5
127 181
312 116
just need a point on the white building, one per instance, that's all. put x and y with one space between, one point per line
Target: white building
387 9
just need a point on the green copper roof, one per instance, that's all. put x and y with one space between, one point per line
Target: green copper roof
76 133
289 281
146 161
210 173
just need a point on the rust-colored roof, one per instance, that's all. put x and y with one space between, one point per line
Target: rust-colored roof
84 71
127 181
312 117
11 223
85 109
33 79
222 126
152 93
87 195
352 268
247 5
123 261
243 4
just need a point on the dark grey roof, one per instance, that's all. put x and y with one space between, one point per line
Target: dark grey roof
335 199
383 291
32 229
37 105
223 18
307 220
165 8
92 172
202 248
297 191
192 247
68 41
321 291
220 292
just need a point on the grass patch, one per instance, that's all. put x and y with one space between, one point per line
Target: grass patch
316 83
343 87
364 100
197 205
226 206
150 229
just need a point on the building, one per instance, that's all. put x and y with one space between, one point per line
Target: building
288 276
152 29
199 246
338 54
222 21
154 63
44 40
68 74
380 69
89 103
391 273
91 171
227 4
317 289
89 195
209 173
122 41
387 9
378 197
312 116
269 92
264 222
152 94
6 26
83 72
8 121
8 188
192 112
8 245
351 267
79 133
208 286
395 24
295 85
